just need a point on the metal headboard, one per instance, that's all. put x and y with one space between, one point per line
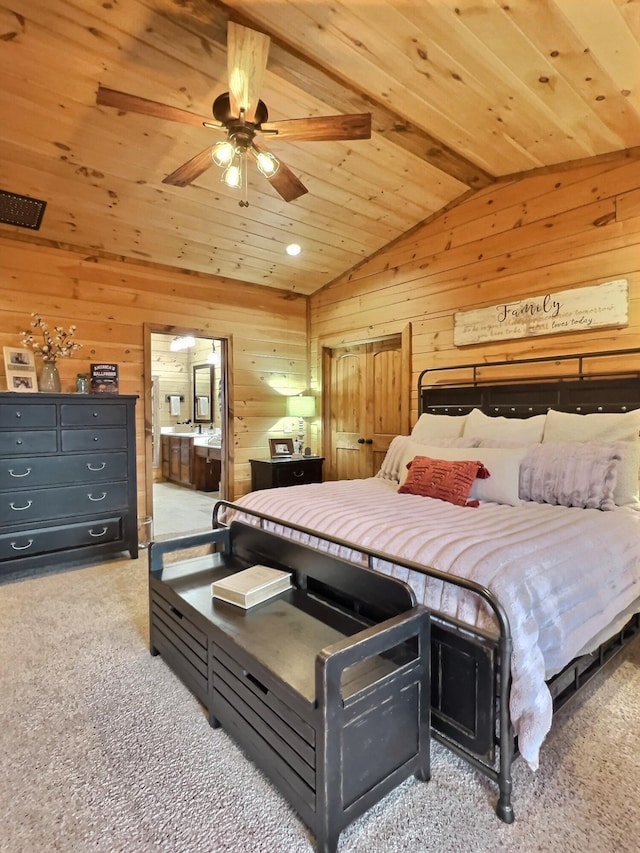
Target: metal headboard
612 389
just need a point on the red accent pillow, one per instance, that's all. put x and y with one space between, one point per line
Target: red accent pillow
443 479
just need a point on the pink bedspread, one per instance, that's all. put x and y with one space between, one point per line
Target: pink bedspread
561 574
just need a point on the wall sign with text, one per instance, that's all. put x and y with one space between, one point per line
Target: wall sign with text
567 311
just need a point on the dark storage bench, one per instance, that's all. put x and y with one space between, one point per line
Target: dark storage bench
325 687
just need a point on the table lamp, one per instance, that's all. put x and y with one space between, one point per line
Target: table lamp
301 407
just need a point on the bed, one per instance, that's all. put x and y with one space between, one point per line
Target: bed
532 573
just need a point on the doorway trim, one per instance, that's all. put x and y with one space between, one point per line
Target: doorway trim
226 424
327 343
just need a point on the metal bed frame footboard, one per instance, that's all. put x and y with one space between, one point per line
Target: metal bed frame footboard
480 732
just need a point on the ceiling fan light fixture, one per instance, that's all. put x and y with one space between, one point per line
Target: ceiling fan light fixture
232 175
222 153
267 164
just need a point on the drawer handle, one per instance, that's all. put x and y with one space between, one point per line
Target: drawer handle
101 498
18 415
95 438
20 508
98 535
96 415
257 683
101 468
19 442
22 547
298 473
175 612
13 474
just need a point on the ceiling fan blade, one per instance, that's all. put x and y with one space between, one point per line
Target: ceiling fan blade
321 128
190 170
286 184
247 53
133 104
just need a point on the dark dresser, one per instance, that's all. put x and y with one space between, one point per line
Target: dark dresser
67 478
293 471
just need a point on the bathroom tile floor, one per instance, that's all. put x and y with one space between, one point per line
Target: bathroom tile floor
178 510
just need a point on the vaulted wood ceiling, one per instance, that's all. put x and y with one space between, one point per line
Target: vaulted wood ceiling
461 92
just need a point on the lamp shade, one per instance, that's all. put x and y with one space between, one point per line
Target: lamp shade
301 406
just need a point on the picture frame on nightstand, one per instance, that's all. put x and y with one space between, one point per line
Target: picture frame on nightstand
20 368
280 447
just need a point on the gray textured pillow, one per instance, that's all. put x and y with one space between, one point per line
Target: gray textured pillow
578 475
607 427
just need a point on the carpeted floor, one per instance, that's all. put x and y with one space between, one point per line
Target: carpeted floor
103 749
178 510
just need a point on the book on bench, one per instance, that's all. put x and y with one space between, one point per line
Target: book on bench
251 586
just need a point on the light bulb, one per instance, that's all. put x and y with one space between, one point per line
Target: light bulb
293 249
233 176
267 163
222 153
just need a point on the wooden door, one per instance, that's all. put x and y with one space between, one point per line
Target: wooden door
367 404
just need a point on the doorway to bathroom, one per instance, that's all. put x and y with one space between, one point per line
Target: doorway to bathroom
186 429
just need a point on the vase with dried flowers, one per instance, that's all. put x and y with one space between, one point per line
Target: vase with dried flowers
55 345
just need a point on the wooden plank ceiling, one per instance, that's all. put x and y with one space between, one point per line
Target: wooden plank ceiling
461 92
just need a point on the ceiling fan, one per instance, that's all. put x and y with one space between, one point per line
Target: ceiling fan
244 117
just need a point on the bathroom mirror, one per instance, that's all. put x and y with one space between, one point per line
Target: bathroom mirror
203 385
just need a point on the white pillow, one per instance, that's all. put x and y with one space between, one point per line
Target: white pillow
429 427
390 468
520 430
605 427
579 474
503 465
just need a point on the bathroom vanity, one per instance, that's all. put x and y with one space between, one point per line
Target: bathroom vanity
189 460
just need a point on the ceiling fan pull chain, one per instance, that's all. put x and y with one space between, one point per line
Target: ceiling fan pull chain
244 200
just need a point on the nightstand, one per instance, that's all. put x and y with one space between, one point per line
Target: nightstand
272 473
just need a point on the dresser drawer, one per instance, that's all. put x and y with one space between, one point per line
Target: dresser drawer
24 472
272 473
84 414
45 539
28 441
297 473
19 415
24 507
93 439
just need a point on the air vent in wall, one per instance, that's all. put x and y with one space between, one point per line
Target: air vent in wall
21 210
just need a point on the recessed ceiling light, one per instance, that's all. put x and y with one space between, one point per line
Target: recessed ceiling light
293 249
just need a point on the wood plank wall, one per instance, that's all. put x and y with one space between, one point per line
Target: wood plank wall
549 232
110 301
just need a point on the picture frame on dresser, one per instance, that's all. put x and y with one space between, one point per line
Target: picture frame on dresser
280 447
20 369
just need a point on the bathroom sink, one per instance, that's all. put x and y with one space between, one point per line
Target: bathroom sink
205 441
